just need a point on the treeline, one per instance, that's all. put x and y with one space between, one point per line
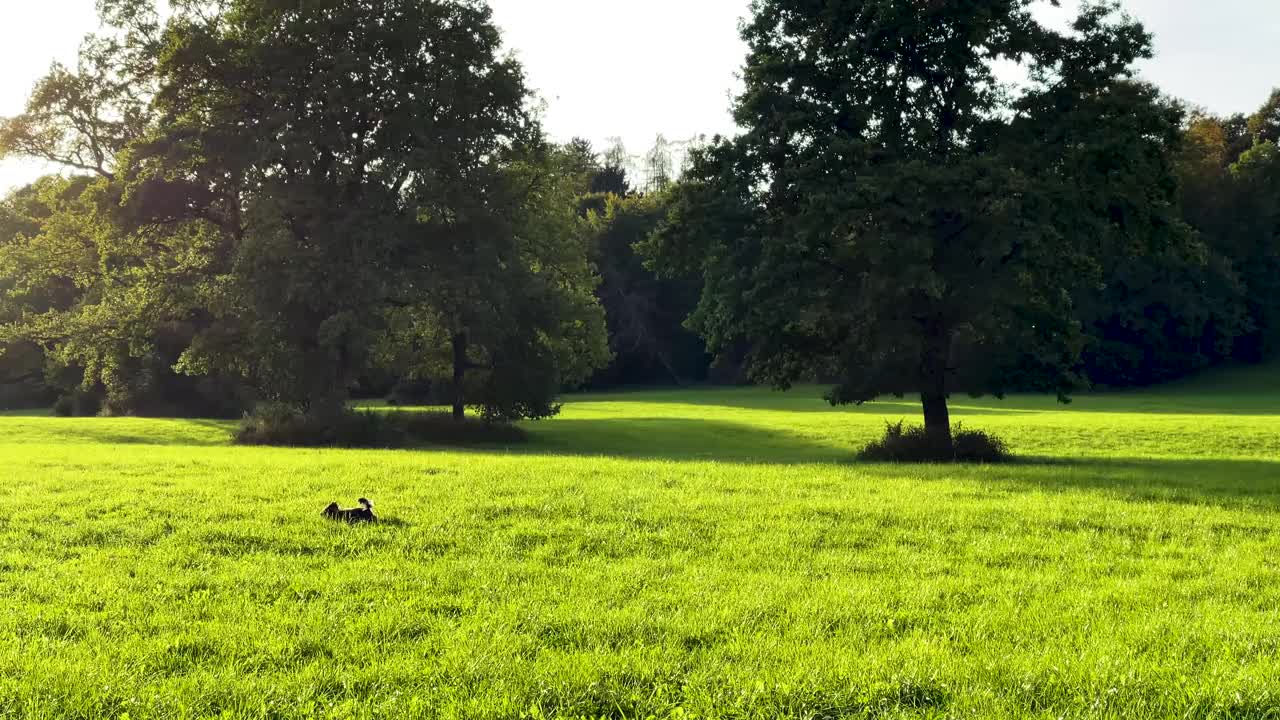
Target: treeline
301 206
280 203
648 342
1206 293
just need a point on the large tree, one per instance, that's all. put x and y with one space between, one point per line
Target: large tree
896 218
99 310
318 141
646 313
281 178
503 312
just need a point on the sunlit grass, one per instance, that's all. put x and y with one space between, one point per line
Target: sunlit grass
707 553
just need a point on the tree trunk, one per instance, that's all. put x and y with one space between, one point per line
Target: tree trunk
459 375
327 395
933 375
937 418
327 406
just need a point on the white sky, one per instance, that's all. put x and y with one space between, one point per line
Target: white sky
634 69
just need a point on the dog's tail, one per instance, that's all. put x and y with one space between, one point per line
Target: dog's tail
367 505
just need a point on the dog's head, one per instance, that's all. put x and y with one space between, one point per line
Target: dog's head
366 503
332 510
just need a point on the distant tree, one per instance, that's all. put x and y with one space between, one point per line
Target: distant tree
1252 237
22 362
81 118
612 176
107 335
580 157
48 262
1264 125
604 175
1227 173
691 148
892 216
1168 303
645 313
65 303
505 315
659 166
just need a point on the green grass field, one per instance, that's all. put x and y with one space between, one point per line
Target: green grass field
699 554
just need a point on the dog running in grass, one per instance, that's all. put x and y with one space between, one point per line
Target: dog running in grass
362 514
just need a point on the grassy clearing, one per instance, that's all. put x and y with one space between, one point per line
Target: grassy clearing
709 554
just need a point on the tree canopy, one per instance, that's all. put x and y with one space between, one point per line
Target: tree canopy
897 219
289 182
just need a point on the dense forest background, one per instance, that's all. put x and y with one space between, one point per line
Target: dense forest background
180 270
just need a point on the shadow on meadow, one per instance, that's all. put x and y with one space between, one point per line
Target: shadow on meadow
33 412
807 400
121 431
679 439
1230 482
1211 481
1245 391
1183 481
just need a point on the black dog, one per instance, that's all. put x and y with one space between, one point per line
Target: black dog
362 514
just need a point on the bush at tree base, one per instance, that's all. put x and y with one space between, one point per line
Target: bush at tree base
903 443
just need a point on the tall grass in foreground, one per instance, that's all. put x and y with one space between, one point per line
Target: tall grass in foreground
705 554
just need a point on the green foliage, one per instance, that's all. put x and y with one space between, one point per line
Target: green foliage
1167 303
894 218
518 321
1230 171
288 256
82 118
409 393
85 305
1264 125
646 314
915 444
352 177
1255 237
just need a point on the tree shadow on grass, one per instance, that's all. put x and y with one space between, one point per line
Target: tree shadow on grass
805 399
131 431
392 522
1235 483
1226 482
679 439
27 413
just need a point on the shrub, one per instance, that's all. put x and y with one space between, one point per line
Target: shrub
152 392
64 407
912 444
78 403
276 424
26 397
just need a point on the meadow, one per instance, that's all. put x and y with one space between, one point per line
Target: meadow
666 554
